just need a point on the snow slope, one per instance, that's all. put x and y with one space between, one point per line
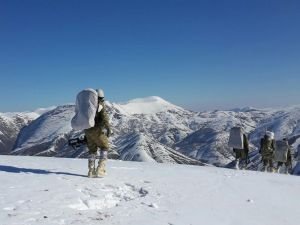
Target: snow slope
148 125
148 105
50 191
10 126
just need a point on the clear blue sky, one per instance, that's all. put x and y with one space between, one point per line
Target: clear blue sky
198 54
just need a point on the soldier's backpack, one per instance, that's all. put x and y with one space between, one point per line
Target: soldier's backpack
281 151
236 139
85 110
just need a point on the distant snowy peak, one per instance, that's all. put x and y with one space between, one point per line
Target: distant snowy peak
31 115
148 105
244 109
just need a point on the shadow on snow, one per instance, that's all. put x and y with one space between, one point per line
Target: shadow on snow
12 169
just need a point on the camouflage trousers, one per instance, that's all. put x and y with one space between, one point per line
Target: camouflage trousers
240 154
96 139
268 162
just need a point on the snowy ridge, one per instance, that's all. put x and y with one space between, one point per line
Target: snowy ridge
10 126
149 105
57 191
202 136
50 128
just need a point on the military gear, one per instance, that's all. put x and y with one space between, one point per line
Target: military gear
281 151
77 142
85 110
267 147
101 172
103 154
270 134
101 118
237 164
242 153
96 136
91 165
280 167
96 139
268 165
236 140
100 93
287 164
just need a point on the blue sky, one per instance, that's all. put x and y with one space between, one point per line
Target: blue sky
198 54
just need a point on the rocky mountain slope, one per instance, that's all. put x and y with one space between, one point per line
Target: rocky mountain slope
152 129
10 126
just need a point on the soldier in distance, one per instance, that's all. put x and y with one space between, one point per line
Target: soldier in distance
267 148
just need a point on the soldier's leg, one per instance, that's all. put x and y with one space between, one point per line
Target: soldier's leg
265 165
101 169
279 165
271 168
91 165
91 159
237 158
104 145
287 167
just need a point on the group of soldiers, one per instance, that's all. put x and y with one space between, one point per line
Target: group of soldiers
275 155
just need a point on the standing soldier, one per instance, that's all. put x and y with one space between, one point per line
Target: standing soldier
267 148
97 137
239 142
283 155
241 155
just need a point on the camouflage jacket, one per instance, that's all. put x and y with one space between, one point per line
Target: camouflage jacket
267 147
101 118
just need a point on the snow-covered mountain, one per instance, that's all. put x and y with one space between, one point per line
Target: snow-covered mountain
10 126
48 191
152 129
12 123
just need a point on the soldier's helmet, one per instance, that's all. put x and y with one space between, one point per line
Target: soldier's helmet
100 93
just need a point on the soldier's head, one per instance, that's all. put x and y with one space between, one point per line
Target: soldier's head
100 93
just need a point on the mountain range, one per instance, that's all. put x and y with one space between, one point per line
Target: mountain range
153 129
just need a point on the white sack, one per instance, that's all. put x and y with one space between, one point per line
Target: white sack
85 110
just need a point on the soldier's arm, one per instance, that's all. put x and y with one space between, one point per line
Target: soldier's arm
261 145
289 153
106 122
273 145
246 143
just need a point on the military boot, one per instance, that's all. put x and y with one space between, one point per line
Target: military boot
237 164
265 169
101 172
92 172
278 169
286 170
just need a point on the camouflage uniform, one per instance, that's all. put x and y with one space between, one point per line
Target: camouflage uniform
97 137
242 154
267 148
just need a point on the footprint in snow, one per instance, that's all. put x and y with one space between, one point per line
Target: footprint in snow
102 199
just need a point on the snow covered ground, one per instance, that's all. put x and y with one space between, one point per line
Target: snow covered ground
36 190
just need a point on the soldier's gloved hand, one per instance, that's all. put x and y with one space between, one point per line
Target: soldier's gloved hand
108 132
